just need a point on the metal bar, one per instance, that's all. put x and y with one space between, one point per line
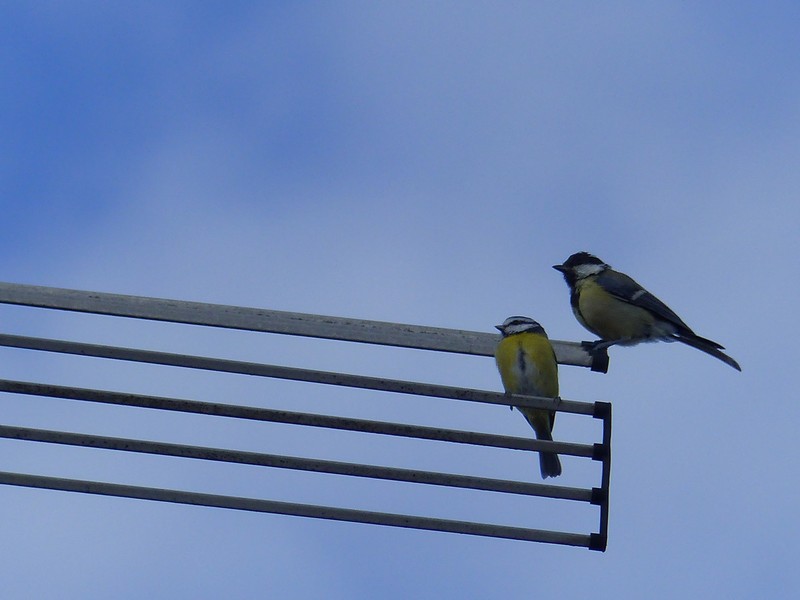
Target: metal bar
600 542
273 321
292 418
300 510
293 373
295 463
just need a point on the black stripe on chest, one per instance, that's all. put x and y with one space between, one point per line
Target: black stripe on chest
521 362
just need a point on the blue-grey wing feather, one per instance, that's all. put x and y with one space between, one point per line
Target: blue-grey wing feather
627 290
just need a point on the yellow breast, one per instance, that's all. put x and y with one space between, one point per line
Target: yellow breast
527 365
609 317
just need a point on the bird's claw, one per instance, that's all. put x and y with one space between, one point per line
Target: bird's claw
598 350
598 345
591 347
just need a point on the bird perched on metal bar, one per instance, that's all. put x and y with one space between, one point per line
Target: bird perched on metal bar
528 366
620 311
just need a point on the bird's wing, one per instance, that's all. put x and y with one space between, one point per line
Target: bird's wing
626 289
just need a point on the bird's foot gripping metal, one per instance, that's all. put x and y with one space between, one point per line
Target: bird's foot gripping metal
599 351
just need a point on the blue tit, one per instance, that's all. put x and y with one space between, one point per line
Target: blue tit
528 366
620 311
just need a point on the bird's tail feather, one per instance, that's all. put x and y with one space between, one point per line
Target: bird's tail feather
697 338
541 422
709 347
549 463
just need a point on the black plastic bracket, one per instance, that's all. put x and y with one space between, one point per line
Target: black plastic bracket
598 542
601 410
600 362
599 452
598 496
599 357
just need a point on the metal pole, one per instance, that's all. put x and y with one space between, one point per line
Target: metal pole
292 373
273 321
300 510
291 418
295 463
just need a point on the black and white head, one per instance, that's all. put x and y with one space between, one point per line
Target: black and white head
514 325
581 265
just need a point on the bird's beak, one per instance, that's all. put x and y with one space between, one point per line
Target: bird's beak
560 268
499 328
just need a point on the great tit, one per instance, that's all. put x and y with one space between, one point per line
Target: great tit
620 311
527 365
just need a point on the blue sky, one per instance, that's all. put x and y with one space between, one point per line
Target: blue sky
412 162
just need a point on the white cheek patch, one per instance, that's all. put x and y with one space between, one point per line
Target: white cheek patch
583 271
521 328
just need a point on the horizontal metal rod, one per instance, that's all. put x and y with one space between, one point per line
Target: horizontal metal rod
288 508
292 418
295 463
293 373
273 321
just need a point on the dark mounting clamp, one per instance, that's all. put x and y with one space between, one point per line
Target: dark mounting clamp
599 357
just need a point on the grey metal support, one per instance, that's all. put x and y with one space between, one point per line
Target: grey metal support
291 373
293 418
296 463
274 321
299 510
317 326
